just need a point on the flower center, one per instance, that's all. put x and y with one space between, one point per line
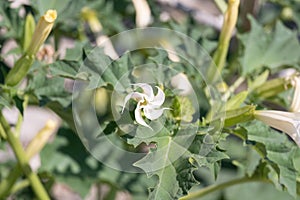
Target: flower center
144 102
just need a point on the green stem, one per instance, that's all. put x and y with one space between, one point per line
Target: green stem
20 117
221 186
2 133
233 87
219 57
18 125
6 185
20 185
16 145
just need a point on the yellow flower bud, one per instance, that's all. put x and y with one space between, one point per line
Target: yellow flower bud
22 66
90 17
39 141
42 31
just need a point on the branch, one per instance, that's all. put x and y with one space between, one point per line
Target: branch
221 186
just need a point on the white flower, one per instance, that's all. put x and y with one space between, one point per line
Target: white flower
287 122
143 13
182 83
147 102
295 106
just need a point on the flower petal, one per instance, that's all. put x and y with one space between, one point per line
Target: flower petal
182 83
159 98
287 122
152 113
147 90
133 95
143 13
295 106
138 116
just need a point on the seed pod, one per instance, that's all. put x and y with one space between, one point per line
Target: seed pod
235 116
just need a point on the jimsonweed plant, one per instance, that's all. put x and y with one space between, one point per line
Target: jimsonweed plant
149 100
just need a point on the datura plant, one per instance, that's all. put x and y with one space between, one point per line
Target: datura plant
95 104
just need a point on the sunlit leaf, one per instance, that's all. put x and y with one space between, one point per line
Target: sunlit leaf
273 50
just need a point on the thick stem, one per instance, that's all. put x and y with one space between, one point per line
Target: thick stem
213 188
16 145
20 185
219 57
7 183
2 133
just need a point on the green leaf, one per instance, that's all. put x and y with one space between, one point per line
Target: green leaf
70 163
11 20
210 158
182 109
64 156
280 151
159 162
184 169
173 161
236 101
142 131
48 88
43 6
272 50
19 104
122 66
97 64
167 186
4 102
76 53
66 69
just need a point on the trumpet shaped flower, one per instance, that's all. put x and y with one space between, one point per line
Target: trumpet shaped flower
287 122
295 106
23 64
42 31
147 103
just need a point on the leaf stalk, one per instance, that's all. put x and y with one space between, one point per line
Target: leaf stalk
213 188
